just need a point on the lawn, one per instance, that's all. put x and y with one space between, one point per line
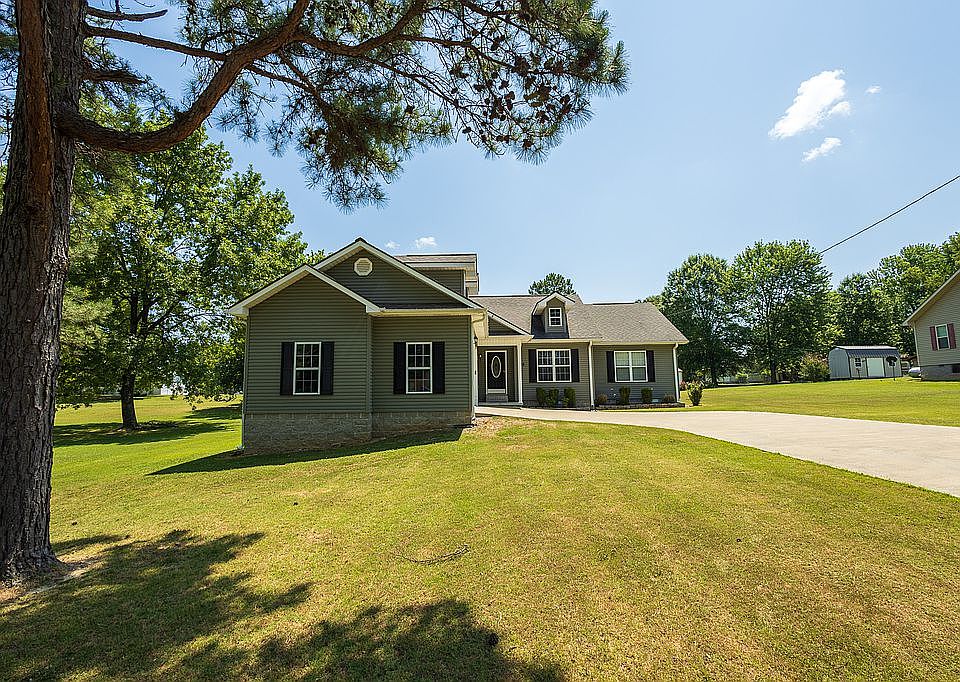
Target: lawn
901 400
514 550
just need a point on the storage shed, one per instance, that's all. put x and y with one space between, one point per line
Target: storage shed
864 362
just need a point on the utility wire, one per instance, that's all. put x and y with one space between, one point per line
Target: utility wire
885 218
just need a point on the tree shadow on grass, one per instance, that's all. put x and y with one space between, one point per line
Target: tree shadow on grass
172 608
111 433
131 612
437 641
234 460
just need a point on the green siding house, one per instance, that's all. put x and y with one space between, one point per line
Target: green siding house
934 326
365 344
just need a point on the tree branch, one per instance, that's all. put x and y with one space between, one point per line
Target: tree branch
185 123
123 16
123 76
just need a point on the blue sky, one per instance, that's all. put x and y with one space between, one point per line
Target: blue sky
685 161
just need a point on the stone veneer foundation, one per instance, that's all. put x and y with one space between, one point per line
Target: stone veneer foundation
278 432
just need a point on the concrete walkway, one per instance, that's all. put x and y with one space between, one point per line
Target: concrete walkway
925 456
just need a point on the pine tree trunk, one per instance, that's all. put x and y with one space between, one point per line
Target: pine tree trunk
128 405
34 235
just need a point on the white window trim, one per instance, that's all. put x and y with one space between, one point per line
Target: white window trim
631 366
318 369
553 365
550 317
945 337
406 364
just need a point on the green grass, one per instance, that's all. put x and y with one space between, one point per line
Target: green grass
901 400
592 551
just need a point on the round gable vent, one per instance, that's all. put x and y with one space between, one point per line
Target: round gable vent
363 267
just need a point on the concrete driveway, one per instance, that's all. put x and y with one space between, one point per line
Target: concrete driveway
925 456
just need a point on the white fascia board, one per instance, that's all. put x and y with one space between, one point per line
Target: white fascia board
542 303
242 308
346 251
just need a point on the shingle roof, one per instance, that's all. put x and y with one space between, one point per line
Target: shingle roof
615 322
437 258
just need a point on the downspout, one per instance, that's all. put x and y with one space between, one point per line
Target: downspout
519 373
590 371
676 373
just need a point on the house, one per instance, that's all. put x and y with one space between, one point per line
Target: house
364 344
864 362
934 330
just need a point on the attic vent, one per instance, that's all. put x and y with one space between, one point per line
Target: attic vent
363 267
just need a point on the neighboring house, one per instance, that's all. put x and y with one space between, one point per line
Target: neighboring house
864 362
934 326
364 344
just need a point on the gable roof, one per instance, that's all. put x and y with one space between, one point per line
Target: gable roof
241 308
542 303
613 322
360 243
932 298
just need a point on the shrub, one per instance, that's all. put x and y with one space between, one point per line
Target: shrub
742 377
669 398
542 397
624 395
646 395
553 397
814 368
602 399
570 397
695 391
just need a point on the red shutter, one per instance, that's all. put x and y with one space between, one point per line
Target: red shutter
933 338
952 335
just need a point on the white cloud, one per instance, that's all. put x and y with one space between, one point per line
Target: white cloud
840 109
874 90
392 246
827 146
425 242
817 98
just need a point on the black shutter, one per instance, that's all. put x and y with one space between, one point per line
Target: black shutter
439 367
611 369
286 368
575 364
532 369
326 368
651 370
399 367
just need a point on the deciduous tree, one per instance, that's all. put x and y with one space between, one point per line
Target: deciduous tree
784 299
864 314
698 300
163 243
355 87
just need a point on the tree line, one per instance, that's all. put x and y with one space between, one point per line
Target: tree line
772 308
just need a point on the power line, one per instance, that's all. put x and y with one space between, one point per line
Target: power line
885 218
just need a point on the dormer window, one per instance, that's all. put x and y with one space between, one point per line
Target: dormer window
555 317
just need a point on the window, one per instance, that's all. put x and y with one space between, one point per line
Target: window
943 337
306 369
630 365
420 367
858 362
555 317
553 365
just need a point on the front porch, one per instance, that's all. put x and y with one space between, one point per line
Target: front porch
498 375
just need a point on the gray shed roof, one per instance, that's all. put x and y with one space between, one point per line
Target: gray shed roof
614 322
869 351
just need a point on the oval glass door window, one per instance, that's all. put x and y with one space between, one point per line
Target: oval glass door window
496 367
